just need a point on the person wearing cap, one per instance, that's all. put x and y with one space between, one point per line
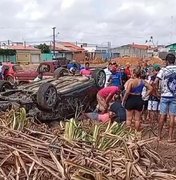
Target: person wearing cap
154 98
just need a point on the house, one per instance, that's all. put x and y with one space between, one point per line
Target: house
132 50
69 51
97 51
26 54
171 48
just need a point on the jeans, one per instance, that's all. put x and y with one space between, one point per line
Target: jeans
168 105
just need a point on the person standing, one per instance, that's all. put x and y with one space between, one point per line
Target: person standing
108 73
1 71
116 77
154 98
167 78
132 99
128 71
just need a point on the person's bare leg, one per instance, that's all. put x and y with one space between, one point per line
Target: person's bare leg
137 120
129 118
160 125
171 129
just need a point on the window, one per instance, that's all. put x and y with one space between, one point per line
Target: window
44 68
17 68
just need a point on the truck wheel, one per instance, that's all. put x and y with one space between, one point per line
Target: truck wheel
5 85
47 96
100 77
59 72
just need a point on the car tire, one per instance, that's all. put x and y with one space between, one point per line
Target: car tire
100 77
47 96
59 72
10 79
5 85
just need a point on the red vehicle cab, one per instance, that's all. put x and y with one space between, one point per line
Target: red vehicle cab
14 73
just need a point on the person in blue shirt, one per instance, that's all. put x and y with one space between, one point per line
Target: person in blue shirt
73 67
116 77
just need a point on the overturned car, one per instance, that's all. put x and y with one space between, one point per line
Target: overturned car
54 98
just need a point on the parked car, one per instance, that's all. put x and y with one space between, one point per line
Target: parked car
53 99
14 73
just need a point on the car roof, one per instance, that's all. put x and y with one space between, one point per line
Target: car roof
8 64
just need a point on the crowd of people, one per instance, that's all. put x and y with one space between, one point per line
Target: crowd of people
141 92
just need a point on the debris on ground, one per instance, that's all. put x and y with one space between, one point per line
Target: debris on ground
75 150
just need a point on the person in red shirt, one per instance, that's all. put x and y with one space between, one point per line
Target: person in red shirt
105 96
128 71
86 71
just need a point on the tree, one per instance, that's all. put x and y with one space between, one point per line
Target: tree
44 48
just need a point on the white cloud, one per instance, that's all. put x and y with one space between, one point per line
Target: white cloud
96 21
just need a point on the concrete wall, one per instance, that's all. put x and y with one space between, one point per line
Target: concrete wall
129 51
28 57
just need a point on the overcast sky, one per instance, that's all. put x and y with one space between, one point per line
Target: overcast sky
92 21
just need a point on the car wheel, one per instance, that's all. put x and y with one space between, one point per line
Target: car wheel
11 80
100 77
5 85
47 96
59 72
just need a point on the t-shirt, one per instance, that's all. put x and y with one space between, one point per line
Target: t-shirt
1 69
153 96
144 91
119 111
128 72
116 79
164 75
104 93
85 72
108 74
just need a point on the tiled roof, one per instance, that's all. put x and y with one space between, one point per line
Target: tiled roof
67 46
22 47
138 46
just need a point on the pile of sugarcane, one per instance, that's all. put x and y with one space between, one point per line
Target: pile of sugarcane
74 150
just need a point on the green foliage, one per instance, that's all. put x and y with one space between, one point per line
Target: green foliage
44 48
18 119
7 52
101 136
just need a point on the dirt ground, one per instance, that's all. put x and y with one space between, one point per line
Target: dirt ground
167 151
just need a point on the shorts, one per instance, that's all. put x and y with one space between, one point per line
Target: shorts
153 105
134 102
145 105
168 105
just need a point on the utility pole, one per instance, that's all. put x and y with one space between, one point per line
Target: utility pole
109 50
54 41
